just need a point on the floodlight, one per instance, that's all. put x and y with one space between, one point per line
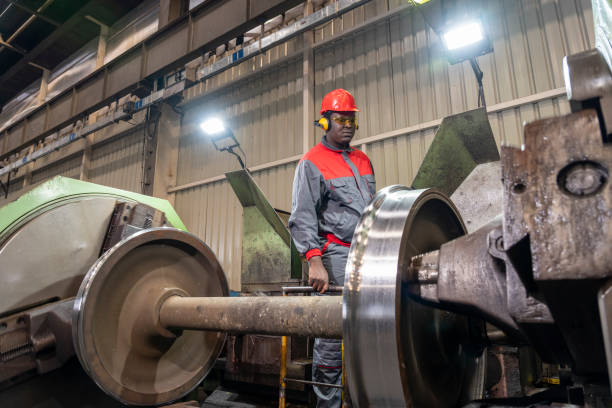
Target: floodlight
222 138
213 126
465 40
463 35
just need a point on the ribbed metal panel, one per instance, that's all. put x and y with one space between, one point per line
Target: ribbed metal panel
277 184
118 163
400 76
508 124
266 117
69 167
15 190
397 160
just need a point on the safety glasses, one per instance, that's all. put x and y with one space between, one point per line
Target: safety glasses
346 121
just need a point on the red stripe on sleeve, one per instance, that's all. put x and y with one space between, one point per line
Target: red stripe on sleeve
312 252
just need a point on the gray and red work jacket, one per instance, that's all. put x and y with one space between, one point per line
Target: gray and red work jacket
330 189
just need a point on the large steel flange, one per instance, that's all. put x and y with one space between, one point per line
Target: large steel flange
116 330
400 353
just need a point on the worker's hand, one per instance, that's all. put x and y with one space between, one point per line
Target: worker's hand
317 275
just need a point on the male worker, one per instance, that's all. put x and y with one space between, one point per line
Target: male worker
333 183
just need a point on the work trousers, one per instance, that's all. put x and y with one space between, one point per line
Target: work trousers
327 354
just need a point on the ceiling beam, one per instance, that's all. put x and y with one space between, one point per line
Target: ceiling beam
29 21
15 48
44 45
35 13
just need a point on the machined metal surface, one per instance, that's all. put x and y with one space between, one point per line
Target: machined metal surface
479 198
115 320
318 316
34 263
587 75
588 78
463 275
569 234
398 352
58 220
557 231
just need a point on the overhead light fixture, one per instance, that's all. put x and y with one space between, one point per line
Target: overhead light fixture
465 40
420 1
463 35
222 137
213 126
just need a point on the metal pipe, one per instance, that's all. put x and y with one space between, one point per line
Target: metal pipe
283 373
283 369
318 384
343 394
317 316
309 289
498 337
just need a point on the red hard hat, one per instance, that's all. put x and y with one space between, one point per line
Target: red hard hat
338 100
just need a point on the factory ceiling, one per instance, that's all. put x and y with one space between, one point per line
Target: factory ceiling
39 34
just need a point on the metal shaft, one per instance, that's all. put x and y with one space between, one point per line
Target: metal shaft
318 316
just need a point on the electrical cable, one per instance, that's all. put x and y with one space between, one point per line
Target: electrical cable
479 74
231 150
244 154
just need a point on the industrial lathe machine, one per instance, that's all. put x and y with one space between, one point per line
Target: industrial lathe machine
431 284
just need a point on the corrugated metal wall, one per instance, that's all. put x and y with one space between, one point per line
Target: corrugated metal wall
396 160
265 114
115 162
67 167
400 77
15 190
118 163
397 70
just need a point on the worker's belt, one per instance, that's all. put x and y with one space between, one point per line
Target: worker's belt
331 238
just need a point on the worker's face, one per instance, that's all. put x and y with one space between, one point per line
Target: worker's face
341 128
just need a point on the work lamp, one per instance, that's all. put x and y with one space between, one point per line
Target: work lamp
465 40
222 137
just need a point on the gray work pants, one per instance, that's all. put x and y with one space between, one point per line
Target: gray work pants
327 354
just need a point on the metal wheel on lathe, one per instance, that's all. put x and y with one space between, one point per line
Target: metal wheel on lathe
116 330
400 353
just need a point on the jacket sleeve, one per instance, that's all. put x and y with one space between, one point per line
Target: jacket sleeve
305 203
